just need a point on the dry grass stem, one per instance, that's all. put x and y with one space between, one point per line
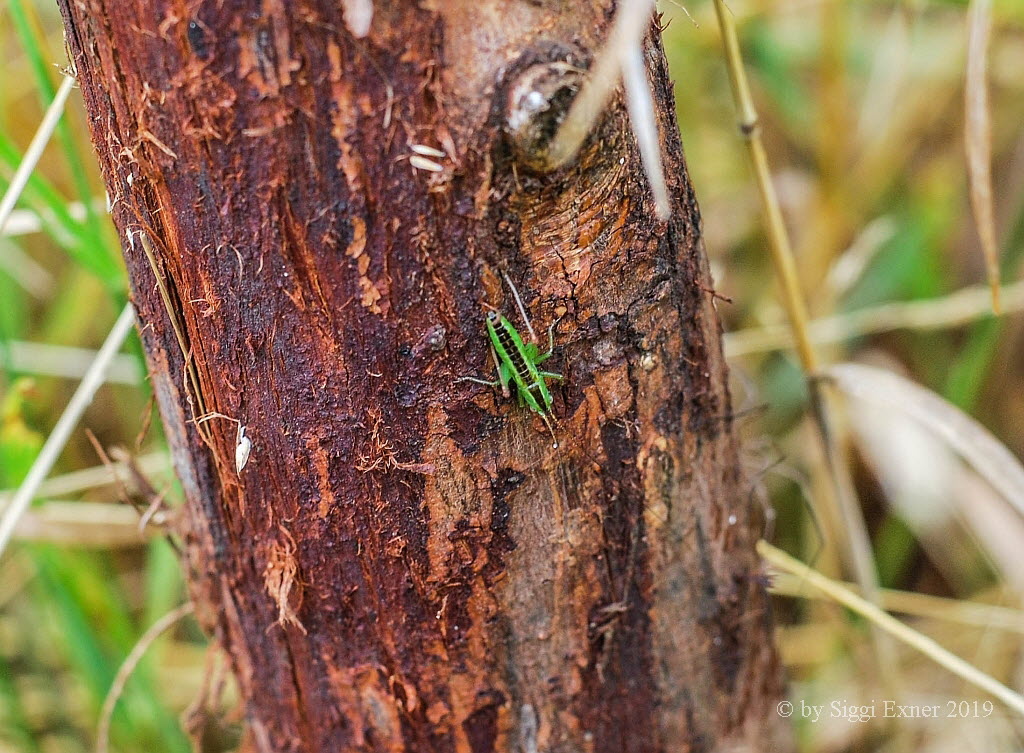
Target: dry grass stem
922 643
96 477
102 525
959 308
33 277
44 359
28 221
128 667
55 442
842 512
959 611
35 150
778 237
978 138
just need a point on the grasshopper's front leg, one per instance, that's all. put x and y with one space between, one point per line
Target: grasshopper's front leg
477 380
539 357
551 345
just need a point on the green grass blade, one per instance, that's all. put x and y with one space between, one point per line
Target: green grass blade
31 41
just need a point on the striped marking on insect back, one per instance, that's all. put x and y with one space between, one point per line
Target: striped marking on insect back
512 351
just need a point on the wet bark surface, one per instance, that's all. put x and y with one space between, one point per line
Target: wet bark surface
405 563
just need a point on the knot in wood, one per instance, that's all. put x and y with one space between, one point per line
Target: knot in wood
538 101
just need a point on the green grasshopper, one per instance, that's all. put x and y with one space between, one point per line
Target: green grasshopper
517 363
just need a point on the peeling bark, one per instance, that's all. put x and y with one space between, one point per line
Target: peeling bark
405 563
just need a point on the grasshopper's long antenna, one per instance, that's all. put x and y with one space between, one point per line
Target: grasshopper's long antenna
522 308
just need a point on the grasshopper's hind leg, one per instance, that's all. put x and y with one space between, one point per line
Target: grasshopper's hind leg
504 374
551 429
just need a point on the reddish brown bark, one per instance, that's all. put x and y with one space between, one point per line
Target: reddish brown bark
405 563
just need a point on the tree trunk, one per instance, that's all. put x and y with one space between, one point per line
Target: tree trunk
405 562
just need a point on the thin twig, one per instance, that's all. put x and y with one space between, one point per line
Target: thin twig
843 595
128 667
54 444
631 23
35 150
645 125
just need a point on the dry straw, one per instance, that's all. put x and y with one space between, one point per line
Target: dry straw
978 138
54 445
844 518
843 595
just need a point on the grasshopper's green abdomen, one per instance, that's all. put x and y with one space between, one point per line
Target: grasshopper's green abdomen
512 352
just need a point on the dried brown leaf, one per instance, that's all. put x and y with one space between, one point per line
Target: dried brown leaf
972 441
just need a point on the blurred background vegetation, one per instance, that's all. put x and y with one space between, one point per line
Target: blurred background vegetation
862 112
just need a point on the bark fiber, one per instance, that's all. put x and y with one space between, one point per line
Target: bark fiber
405 563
